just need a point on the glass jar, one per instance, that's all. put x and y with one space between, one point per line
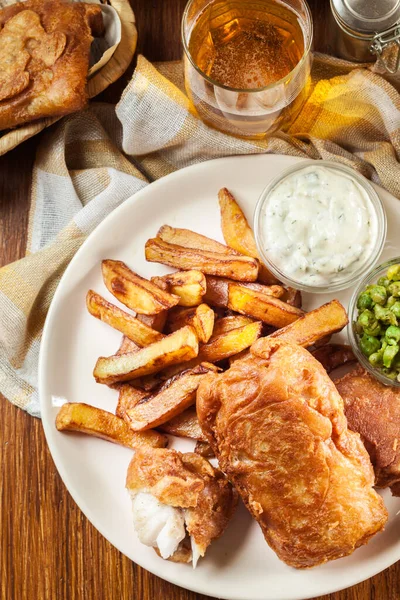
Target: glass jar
366 30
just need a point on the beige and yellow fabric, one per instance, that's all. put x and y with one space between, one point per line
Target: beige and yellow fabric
89 163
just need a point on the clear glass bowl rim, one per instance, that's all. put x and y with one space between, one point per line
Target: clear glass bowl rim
379 211
352 310
290 75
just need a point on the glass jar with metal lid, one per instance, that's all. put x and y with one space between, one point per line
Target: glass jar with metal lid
368 29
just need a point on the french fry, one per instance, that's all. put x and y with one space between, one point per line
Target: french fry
315 325
127 346
237 267
191 239
185 425
218 289
137 293
180 346
238 233
201 318
204 449
228 323
268 309
131 327
156 322
128 397
76 416
190 286
230 343
333 356
293 297
173 398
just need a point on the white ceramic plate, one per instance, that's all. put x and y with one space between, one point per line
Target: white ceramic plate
239 566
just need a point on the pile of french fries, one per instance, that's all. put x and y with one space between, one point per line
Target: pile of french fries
179 327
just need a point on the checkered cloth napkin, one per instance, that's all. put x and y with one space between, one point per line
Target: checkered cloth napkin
90 162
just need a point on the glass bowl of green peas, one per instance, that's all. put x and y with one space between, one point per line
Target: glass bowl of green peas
374 329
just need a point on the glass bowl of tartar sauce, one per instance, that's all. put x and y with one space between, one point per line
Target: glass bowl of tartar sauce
319 226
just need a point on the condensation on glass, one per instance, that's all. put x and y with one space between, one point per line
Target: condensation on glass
366 30
247 62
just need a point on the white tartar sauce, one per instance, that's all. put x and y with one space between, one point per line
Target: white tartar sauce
319 226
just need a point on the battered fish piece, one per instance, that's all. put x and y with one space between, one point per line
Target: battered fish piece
277 426
44 58
180 503
373 410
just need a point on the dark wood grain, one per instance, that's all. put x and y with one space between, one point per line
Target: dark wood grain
49 550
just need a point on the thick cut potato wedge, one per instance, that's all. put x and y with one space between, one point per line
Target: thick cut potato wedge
238 233
127 346
293 297
230 343
137 293
201 318
75 416
190 286
333 356
268 309
185 425
228 323
217 292
128 397
204 449
131 327
180 346
156 322
173 398
315 325
239 268
191 239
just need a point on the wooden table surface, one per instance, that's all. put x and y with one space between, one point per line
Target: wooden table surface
49 550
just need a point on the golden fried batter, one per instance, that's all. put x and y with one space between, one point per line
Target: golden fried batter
277 426
187 482
373 410
44 58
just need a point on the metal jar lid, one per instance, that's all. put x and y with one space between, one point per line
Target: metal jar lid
374 20
366 16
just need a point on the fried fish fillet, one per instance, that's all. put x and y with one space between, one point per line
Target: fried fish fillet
373 410
44 58
180 503
277 426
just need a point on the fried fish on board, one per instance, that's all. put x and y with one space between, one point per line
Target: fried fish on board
277 426
44 58
180 503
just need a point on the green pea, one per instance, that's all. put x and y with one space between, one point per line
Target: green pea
394 273
395 308
376 359
385 315
393 332
364 301
365 318
388 355
383 281
369 323
369 344
378 294
394 289
390 373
